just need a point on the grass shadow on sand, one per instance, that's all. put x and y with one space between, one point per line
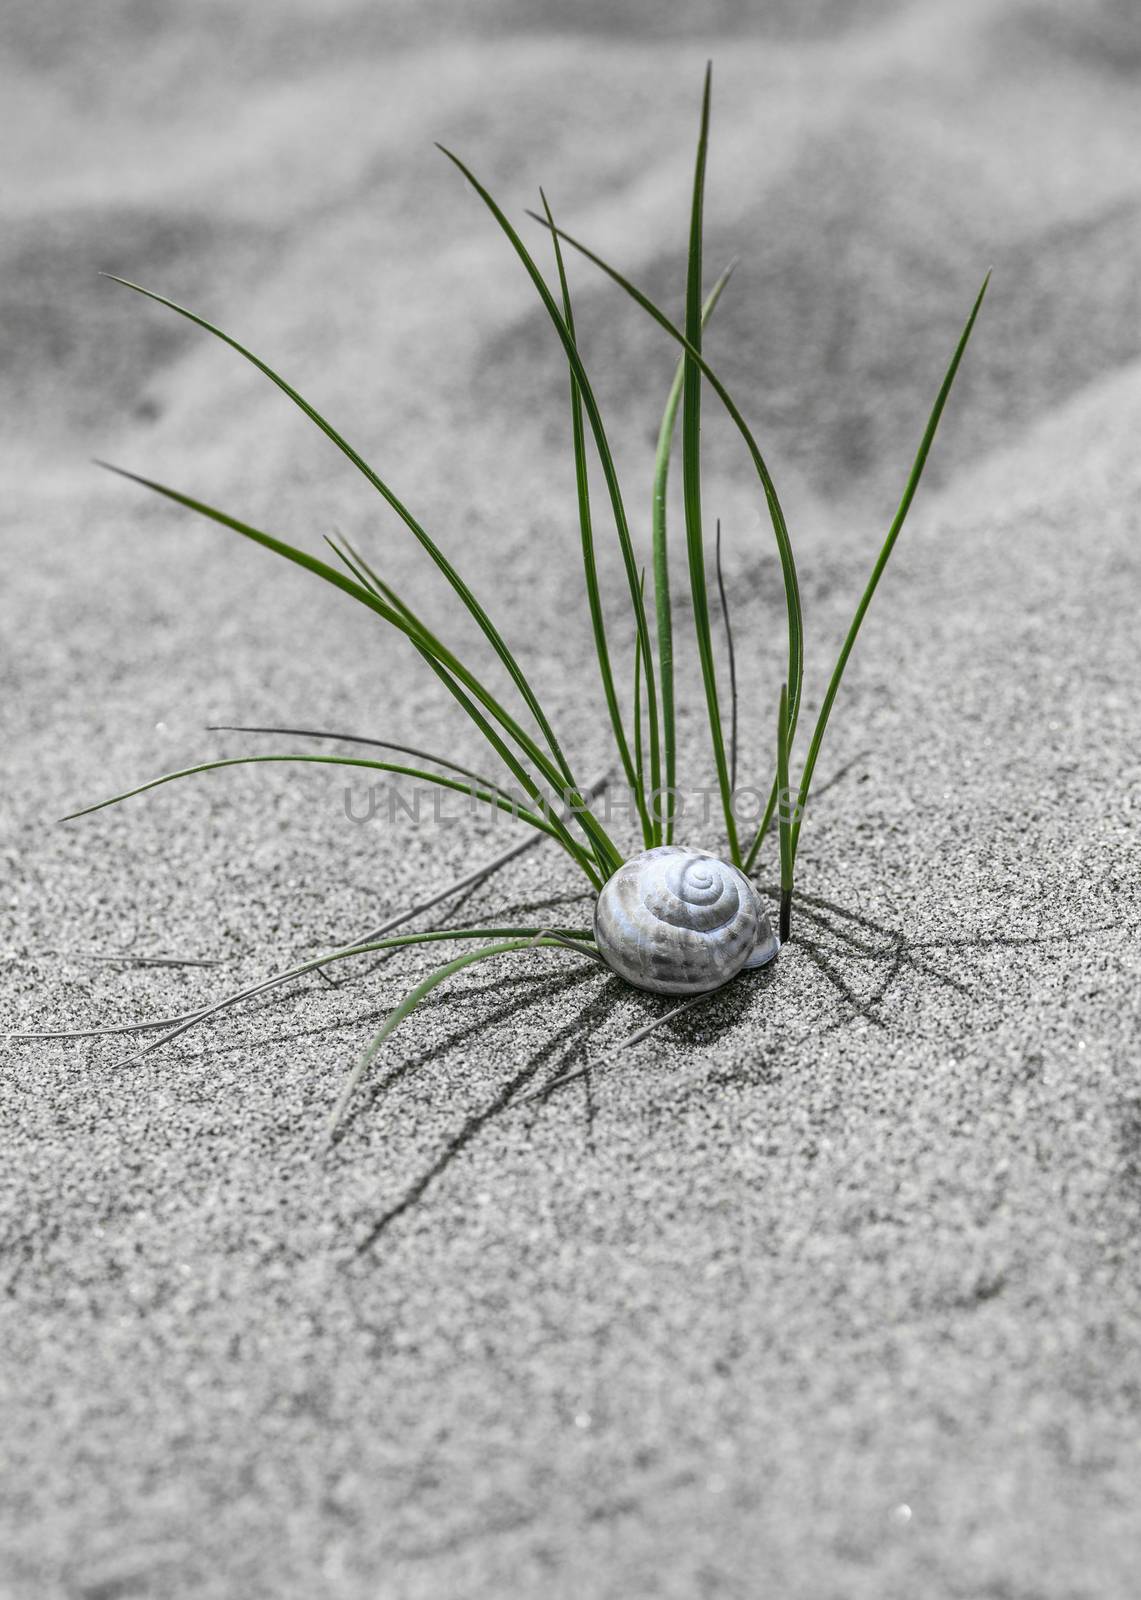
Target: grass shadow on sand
562 1045
561 1051
839 933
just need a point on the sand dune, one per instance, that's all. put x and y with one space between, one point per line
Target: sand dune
833 1290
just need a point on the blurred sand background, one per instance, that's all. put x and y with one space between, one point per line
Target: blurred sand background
833 1290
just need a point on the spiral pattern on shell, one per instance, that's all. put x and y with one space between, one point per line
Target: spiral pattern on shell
679 921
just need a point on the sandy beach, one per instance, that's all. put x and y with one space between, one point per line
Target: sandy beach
832 1289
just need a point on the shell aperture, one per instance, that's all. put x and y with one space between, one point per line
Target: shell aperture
679 921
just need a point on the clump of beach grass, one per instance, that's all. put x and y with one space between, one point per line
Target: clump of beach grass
548 797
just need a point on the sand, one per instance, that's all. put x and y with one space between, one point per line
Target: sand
829 1290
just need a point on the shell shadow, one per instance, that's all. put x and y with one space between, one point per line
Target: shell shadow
700 1025
699 1021
837 934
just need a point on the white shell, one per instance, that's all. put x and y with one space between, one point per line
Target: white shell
678 921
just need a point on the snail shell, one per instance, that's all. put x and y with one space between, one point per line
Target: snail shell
678 921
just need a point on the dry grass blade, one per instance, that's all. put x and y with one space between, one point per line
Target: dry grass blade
369 947
363 944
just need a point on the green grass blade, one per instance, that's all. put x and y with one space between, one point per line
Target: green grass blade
606 459
638 756
302 558
590 568
437 655
490 797
365 574
776 514
763 828
784 817
371 579
461 589
356 738
691 478
175 1026
730 652
606 856
519 771
881 561
606 853
662 608
413 998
